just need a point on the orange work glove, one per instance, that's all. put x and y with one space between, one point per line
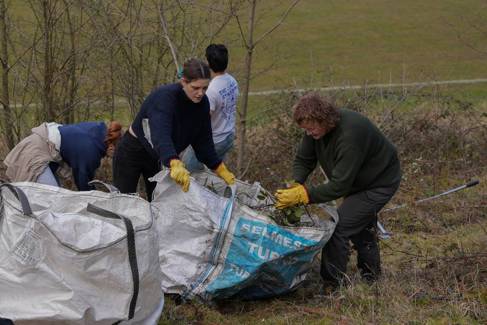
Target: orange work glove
225 174
179 173
294 195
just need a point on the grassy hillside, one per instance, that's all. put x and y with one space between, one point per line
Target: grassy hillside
341 42
337 42
329 43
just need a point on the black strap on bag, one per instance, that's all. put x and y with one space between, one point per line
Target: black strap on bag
27 210
20 195
131 251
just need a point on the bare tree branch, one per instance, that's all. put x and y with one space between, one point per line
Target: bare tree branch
279 23
166 35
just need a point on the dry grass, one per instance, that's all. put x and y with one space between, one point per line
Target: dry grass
436 278
435 266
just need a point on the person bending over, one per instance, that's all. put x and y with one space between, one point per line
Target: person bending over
54 150
170 119
361 165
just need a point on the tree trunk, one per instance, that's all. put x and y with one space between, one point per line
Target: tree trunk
111 98
245 91
73 82
6 120
47 96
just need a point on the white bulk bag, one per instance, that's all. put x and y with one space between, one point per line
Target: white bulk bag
77 257
213 246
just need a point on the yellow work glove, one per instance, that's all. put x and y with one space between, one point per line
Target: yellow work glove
295 195
225 174
179 174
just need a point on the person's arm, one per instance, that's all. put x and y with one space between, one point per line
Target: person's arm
203 145
84 166
305 160
160 118
82 175
348 161
212 99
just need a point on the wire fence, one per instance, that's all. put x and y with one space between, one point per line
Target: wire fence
371 86
394 92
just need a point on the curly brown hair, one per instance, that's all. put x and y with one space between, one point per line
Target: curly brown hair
314 107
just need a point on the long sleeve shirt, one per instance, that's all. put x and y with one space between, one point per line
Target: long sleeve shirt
82 148
355 156
169 121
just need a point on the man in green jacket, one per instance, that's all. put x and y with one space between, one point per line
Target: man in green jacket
362 167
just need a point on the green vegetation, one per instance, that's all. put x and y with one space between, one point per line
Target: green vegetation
350 42
324 43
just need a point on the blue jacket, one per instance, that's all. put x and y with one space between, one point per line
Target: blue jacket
82 148
172 123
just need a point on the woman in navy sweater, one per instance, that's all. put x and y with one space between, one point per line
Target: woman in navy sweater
55 149
170 119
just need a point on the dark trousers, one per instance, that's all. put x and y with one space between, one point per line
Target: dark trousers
4 321
357 223
131 160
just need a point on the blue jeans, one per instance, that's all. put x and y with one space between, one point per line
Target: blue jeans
221 148
48 177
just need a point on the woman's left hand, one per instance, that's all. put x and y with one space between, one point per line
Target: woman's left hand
225 174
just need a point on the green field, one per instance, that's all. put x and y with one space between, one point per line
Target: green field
349 42
336 42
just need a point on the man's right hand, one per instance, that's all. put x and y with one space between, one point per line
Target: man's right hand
179 174
296 194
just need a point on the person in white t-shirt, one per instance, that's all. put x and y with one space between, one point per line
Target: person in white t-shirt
222 94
